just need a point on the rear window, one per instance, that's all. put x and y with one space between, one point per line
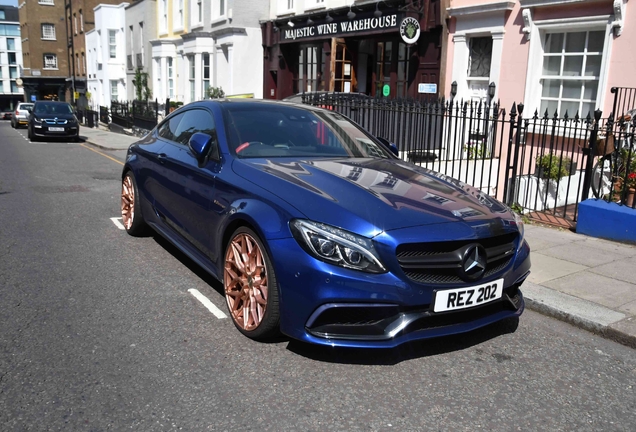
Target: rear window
24 106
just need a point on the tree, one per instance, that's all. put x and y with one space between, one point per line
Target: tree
140 82
216 93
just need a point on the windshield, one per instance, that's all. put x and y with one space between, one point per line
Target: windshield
268 130
53 108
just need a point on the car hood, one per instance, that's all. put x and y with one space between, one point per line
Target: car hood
369 196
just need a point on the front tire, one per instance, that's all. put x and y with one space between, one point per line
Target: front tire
250 286
131 216
30 134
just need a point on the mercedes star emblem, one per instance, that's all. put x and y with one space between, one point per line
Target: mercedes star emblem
474 262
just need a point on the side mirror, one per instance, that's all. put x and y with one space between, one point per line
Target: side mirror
389 145
29 110
203 147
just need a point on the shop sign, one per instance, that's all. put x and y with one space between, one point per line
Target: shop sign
341 27
427 88
386 90
410 30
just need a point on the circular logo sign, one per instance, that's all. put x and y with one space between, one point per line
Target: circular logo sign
410 30
386 90
19 82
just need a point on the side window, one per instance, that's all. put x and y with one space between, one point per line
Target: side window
194 121
169 128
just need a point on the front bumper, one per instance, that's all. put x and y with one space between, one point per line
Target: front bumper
328 305
66 132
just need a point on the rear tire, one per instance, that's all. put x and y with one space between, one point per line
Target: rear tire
131 216
251 289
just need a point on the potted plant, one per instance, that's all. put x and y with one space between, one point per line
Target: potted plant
631 188
552 167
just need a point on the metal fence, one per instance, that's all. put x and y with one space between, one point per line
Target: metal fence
140 114
538 164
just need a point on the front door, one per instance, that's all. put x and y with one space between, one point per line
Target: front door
343 74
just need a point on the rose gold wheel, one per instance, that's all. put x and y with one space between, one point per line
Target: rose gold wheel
246 281
127 202
130 210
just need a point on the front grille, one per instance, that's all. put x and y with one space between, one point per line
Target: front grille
55 122
440 262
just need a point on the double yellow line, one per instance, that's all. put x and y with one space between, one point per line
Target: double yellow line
103 154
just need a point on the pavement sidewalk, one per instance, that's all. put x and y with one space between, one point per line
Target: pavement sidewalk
588 282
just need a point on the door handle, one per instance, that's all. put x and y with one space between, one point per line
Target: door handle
162 158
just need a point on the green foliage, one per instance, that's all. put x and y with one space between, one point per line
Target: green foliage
476 150
551 166
140 82
216 93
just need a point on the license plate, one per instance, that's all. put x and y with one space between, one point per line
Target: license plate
56 129
462 298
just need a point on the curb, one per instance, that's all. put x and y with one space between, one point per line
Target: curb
580 313
103 147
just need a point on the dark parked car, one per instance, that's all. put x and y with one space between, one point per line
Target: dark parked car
317 230
6 115
48 119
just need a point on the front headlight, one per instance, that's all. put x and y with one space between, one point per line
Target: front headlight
336 246
37 120
519 223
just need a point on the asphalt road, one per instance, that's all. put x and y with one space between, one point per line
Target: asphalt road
98 331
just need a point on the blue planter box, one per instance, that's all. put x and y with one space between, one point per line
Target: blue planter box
598 218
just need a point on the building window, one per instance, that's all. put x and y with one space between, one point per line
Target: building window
285 6
46 2
310 68
132 40
2 15
191 76
13 72
9 30
81 20
206 74
178 15
141 40
163 13
218 9
384 59
112 43
83 64
480 57
75 23
48 31
571 72
197 12
12 58
170 78
114 95
14 87
10 44
50 61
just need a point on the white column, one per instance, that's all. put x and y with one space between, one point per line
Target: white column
164 77
198 76
496 59
460 64
230 68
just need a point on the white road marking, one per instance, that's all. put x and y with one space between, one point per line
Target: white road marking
207 303
117 223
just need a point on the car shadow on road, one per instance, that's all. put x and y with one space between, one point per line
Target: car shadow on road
392 356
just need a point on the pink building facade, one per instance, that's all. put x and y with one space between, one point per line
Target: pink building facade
562 55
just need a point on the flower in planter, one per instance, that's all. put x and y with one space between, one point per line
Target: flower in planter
631 180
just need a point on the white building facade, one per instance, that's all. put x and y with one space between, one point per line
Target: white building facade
10 59
106 55
203 44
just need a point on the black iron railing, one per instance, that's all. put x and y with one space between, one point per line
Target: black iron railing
140 114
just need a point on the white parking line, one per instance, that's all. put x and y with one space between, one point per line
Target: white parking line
207 303
117 223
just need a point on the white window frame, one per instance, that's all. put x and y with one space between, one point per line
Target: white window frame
178 15
285 7
196 13
163 16
533 88
52 35
116 89
54 62
191 76
170 76
111 45
217 13
75 23
47 2
81 20
205 82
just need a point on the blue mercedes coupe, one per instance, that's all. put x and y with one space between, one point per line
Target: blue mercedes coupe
317 230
